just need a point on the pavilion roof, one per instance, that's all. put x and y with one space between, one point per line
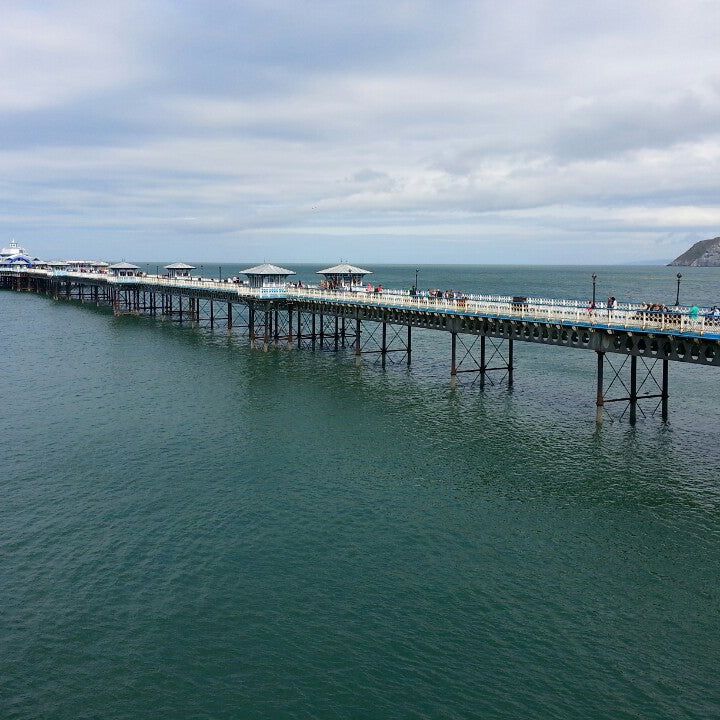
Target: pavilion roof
267 269
344 269
124 266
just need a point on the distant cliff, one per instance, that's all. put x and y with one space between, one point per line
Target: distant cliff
705 253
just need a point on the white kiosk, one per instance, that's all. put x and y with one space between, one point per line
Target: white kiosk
178 269
267 275
344 276
125 269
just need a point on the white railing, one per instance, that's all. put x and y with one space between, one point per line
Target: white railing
546 310
629 317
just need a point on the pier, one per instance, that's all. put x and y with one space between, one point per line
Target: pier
633 347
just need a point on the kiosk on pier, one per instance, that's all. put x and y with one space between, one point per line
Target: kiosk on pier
267 275
125 269
344 276
179 269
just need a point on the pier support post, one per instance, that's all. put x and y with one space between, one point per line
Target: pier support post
409 344
266 336
299 328
312 333
600 398
453 354
342 331
229 316
337 332
290 325
633 388
510 362
664 391
322 331
357 337
383 347
483 363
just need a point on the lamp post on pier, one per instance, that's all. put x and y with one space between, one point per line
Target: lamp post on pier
594 278
157 271
677 295
220 272
417 270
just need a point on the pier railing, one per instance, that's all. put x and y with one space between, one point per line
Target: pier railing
626 317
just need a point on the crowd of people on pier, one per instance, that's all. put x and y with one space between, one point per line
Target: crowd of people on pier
435 294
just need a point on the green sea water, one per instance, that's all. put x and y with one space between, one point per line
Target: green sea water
190 528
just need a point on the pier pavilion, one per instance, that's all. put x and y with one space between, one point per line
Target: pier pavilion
124 269
98 266
17 260
633 346
267 276
344 276
179 269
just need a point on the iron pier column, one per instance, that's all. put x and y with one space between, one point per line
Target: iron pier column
600 398
510 362
482 361
357 336
409 344
383 348
229 317
633 388
665 388
453 353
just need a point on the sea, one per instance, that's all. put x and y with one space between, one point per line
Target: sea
192 528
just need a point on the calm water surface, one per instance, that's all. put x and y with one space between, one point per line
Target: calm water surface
192 529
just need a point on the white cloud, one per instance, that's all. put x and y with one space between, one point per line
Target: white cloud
56 53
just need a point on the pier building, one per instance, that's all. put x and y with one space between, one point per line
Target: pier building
633 346
12 250
344 276
179 269
267 276
124 269
92 266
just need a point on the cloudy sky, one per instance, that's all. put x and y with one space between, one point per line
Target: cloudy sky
533 131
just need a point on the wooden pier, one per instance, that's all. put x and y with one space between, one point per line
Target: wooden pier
633 347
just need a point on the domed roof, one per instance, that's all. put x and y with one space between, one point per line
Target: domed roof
13 249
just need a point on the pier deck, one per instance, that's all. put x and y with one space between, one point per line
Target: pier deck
297 315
